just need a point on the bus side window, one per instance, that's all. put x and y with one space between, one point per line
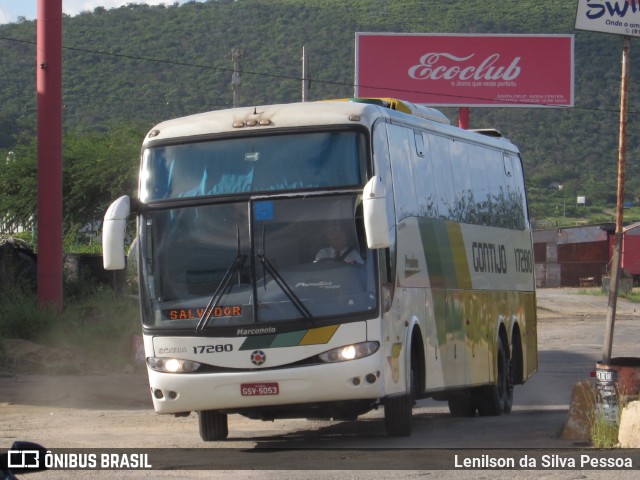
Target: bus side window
439 147
401 150
481 185
515 197
464 206
423 178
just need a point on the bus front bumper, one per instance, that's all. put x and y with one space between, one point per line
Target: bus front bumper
333 382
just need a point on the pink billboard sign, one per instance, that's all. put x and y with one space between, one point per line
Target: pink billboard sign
466 70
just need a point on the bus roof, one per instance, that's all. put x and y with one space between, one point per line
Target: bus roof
322 113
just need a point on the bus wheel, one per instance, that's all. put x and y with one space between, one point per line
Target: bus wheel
493 400
398 412
213 425
508 399
462 404
515 369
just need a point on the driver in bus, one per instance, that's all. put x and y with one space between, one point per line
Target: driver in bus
339 248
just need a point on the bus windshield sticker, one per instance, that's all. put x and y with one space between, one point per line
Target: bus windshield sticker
264 211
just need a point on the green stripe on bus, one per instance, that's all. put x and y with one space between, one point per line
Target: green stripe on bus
459 256
428 231
445 254
313 336
260 341
288 339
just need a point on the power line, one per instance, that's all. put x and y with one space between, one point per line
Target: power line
297 79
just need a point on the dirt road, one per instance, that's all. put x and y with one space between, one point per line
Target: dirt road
119 390
114 410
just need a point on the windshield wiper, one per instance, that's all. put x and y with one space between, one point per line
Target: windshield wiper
291 295
222 289
284 286
223 286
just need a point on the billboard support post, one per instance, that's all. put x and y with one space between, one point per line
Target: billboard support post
463 118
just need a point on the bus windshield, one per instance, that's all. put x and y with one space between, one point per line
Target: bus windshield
294 161
257 261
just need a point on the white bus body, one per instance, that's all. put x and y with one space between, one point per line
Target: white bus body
241 315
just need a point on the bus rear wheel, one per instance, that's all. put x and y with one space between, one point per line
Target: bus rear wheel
213 425
498 398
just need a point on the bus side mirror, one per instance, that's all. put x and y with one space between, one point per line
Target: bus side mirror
375 214
115 221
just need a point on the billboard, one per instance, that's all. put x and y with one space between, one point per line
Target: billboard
620 17
466 70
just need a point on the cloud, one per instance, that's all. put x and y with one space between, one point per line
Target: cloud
11 10
73 7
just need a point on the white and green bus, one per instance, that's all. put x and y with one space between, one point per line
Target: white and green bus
323 259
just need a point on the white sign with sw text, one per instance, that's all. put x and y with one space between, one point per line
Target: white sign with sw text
620 17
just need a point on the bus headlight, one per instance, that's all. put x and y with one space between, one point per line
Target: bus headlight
350 352
172 365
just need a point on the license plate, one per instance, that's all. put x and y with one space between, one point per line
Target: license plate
253 389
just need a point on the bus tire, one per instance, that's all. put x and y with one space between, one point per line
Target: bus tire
397 416
493 399
213 425
515 369
398 412
508 400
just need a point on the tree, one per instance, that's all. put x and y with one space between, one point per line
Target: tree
18 185
98 167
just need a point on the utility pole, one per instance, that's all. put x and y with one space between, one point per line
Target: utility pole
617 248
305 75
49 91
236 56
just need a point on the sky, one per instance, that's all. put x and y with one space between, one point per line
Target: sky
10 10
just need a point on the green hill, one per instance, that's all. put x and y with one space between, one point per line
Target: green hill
146 64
